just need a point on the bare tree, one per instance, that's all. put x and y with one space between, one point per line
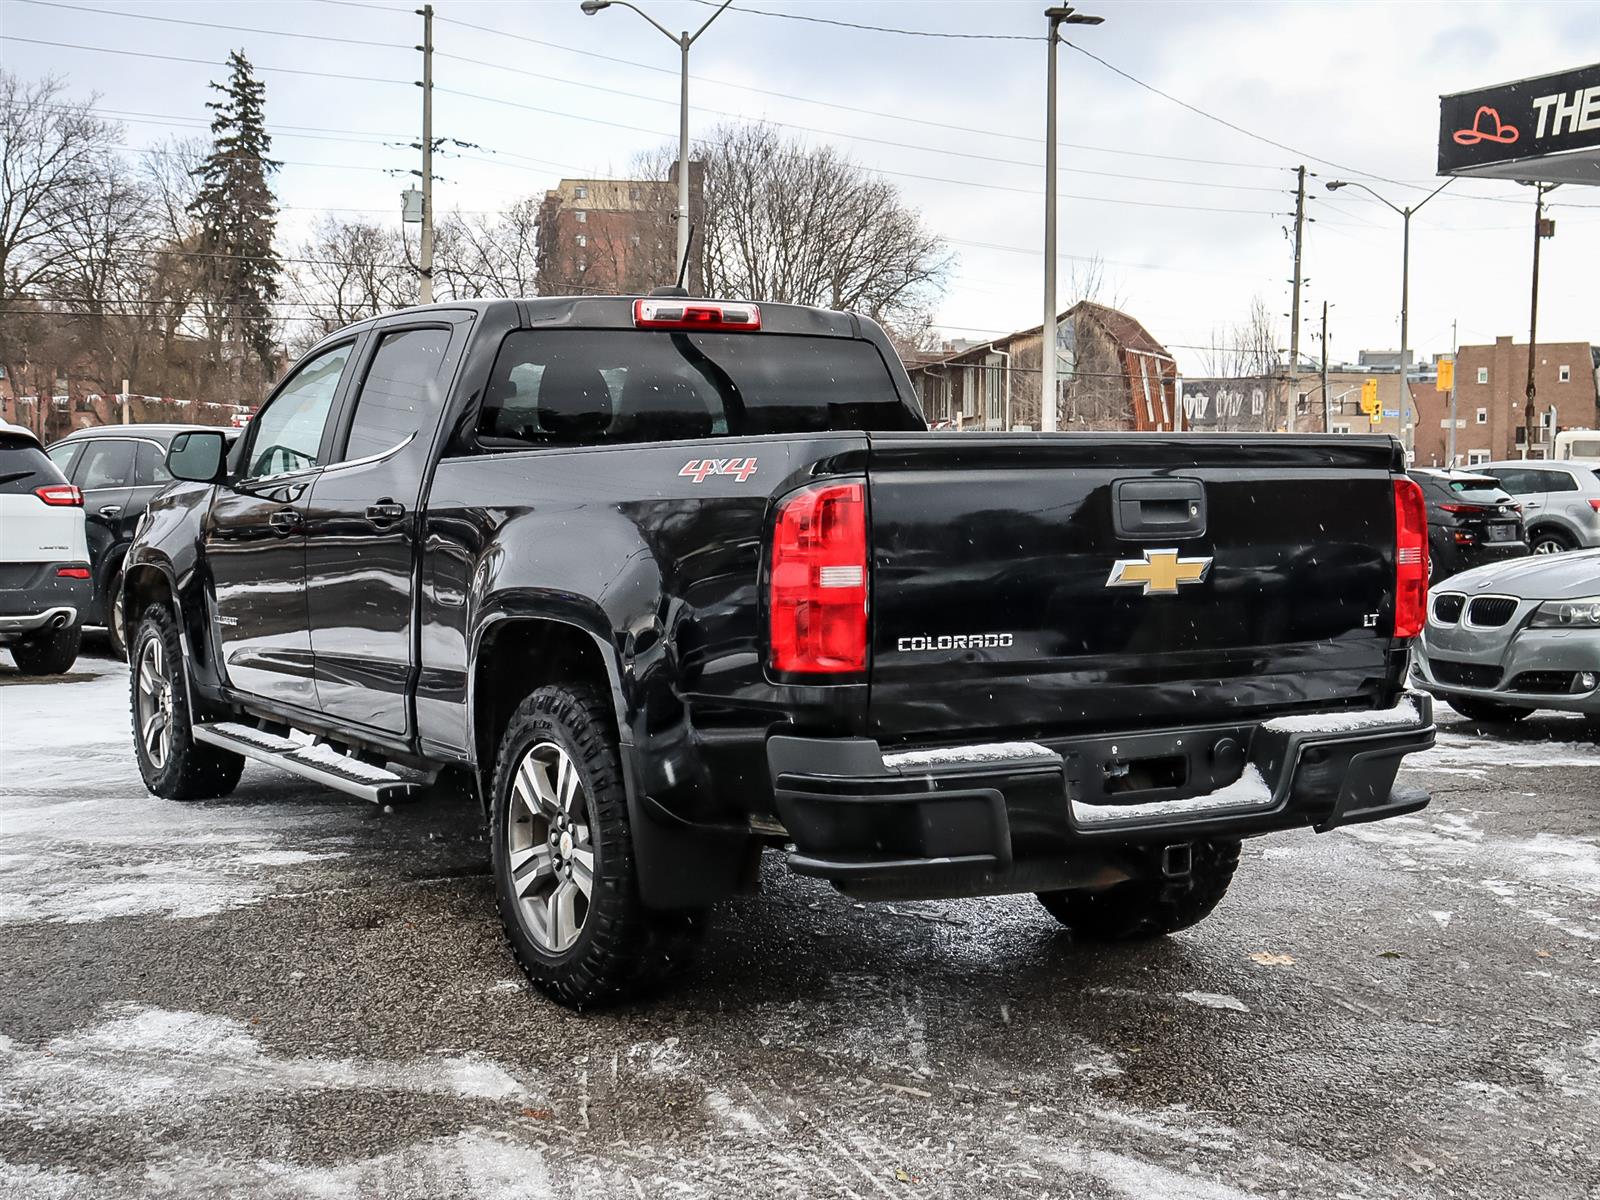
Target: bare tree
487 256
347 271
801 225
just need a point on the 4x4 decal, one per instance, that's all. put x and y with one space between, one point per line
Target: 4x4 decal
698 468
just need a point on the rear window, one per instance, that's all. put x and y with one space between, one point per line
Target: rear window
1486 491
576 386
24 467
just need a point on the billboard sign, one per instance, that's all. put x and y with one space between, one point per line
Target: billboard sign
1535 130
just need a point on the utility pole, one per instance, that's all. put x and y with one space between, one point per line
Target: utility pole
1528 414
1327 403
1455 353
1047 341
425 265
1294 307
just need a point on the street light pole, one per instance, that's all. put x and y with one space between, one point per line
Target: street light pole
1408 431
683 41
1047 341
425 246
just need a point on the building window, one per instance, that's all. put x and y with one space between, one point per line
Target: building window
1483 416
1477 457
1341 429
634 240
580 216
1564 373
1483 374
1303 404
633 193
583 239
581 192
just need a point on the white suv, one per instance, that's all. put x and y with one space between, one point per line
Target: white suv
1560 501
44 557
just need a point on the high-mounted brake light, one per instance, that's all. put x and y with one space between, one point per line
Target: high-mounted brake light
817 615
1410 559
60 495
719 315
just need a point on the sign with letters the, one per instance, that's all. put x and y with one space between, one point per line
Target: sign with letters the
1543 129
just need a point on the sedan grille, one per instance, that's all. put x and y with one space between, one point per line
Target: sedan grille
1491 612
1447 607
1473 675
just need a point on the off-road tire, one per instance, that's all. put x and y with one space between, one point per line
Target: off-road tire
50 653
1474 709
624 949
1148 908
192 770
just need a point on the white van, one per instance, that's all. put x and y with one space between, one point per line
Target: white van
1578 445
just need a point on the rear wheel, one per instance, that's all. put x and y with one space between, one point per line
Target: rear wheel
1550 541
1149 908
116 635
563 857
1488 710
50 653
173 764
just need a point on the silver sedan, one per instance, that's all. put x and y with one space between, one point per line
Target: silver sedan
1504 639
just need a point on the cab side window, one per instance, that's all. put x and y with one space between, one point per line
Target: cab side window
402 393
107 463
150 467
288 431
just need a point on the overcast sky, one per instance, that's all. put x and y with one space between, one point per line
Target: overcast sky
1189 216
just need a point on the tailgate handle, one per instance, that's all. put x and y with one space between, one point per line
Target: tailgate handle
1169 508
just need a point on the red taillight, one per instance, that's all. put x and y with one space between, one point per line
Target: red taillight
1410 559
72 572
695 314
818 611
60 495
1464 510
1595 504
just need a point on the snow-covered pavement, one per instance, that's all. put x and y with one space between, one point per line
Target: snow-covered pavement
287 993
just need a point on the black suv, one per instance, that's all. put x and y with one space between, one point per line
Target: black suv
1471 521
119 469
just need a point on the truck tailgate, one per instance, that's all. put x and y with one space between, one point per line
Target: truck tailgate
999 606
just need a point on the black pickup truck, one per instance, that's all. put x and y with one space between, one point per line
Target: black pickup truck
678 581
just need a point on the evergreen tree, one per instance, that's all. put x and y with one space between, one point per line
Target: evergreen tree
238 217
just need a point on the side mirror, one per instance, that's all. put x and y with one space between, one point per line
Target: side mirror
200 456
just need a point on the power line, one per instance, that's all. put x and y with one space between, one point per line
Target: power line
926 33
204 62
137 16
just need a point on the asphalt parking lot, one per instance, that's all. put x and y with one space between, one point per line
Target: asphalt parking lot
287 993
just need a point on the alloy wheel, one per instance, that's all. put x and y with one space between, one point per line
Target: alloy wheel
1547 546
550 847
154 703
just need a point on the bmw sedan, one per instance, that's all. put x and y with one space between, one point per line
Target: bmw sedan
1504 639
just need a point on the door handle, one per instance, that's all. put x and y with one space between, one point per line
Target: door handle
385 512
110 510
285 520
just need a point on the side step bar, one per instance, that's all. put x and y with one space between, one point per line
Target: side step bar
321 763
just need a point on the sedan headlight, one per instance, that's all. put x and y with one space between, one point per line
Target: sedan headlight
1583 613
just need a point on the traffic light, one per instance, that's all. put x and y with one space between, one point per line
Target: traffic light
1370 404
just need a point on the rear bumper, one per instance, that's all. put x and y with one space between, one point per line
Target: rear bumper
40 600
1032 816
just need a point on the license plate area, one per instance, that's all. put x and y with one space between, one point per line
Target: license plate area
1135 769
1501 531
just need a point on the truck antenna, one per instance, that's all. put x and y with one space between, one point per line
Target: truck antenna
677 289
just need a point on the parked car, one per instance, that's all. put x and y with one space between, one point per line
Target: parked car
1560 501
678 581
44 559
1471 521
1505 639
119 468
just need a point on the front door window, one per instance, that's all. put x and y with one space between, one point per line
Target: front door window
288 431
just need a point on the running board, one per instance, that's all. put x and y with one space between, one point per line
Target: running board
321 763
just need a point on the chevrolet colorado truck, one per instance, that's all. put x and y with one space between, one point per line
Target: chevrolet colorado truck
677 581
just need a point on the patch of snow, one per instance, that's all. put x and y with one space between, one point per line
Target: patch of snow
1214 1000
1460 753
1574 1070
1403 715
1249 791
325 755
905 760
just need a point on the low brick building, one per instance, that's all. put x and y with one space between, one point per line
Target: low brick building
1112 374
1491 399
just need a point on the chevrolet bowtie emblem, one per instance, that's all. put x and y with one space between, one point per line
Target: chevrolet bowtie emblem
1159 572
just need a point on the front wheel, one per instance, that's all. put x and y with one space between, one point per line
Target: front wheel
1488 710
563 857
50 653
1149 908
173 764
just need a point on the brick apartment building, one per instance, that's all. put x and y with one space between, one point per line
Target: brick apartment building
1115 375
1491 398
616 236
